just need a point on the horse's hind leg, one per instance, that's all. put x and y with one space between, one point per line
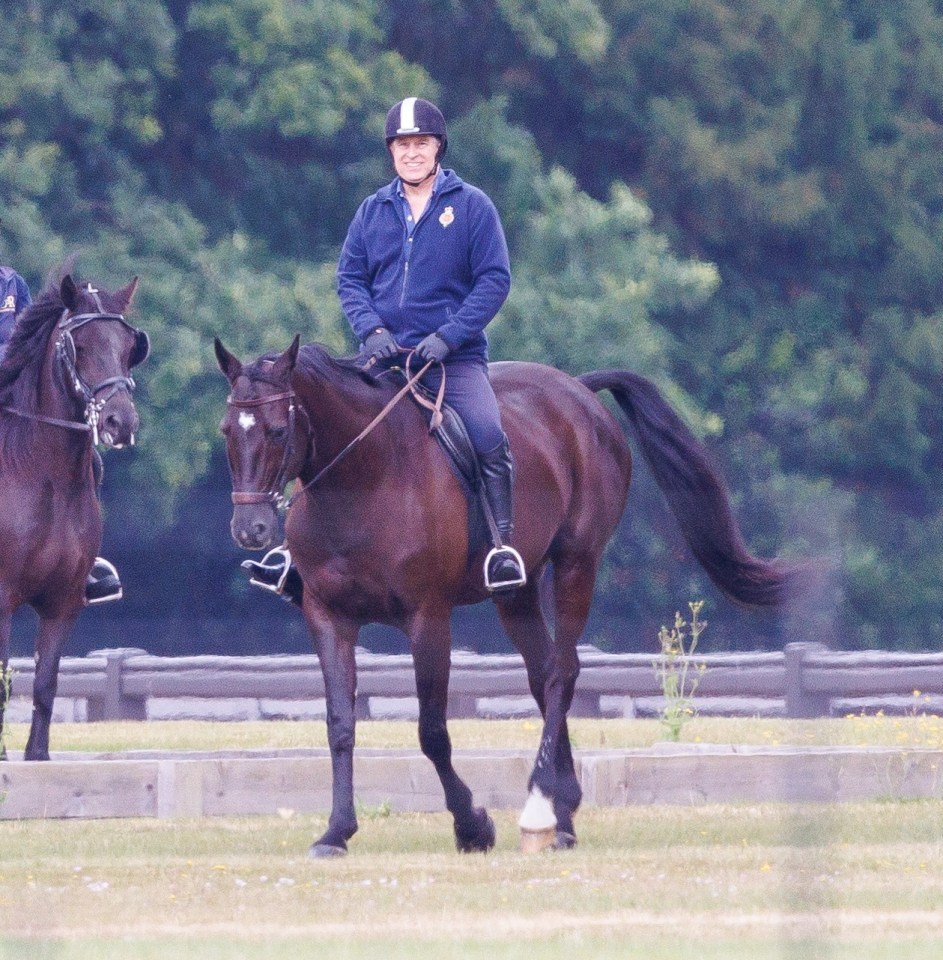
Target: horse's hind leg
552 678
50 641
430 637
524 622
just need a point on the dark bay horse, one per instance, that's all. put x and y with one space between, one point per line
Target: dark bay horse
65 385
382 537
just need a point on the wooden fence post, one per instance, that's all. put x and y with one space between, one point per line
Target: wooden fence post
115 705
800 703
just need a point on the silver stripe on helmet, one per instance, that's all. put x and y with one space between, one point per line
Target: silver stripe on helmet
407 117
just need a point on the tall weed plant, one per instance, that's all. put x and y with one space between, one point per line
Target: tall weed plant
677 673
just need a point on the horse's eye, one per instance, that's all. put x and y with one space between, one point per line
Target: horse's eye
277 434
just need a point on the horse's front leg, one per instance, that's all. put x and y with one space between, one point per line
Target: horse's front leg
50 641
334 641
430 637
6 621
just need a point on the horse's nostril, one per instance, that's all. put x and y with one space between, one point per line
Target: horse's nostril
259 527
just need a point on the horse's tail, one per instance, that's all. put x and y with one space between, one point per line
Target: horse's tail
695 492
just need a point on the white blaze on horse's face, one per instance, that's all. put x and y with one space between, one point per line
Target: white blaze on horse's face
246 420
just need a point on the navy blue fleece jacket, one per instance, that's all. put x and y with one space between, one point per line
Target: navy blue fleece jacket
450 277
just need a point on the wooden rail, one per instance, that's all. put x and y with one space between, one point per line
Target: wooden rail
805 680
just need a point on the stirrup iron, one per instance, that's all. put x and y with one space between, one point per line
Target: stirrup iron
509 552
103 583
277 560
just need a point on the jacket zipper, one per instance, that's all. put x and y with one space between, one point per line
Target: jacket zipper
425 213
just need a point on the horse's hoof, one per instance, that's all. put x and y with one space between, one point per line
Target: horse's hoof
483 840
536 841
323 851
564 841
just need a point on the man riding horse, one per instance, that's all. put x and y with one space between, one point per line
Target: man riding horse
425 267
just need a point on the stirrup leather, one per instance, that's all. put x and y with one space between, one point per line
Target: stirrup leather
511 554
277 560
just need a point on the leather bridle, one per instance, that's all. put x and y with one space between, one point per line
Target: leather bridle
274 495
74 382
90 396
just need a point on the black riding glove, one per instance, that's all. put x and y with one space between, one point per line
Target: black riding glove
433 348
380 344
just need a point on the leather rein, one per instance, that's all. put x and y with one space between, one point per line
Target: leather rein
274 495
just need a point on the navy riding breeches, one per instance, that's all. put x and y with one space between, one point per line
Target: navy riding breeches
469 393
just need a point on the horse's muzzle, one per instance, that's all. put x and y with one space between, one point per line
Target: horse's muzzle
118 423
254 526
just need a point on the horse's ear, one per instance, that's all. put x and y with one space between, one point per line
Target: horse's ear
285 364
125 295
228 363
69 292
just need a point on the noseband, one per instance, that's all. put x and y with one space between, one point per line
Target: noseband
274 496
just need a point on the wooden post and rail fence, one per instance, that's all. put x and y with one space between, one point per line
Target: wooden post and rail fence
803 680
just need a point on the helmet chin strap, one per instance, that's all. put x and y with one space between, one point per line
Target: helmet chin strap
421 181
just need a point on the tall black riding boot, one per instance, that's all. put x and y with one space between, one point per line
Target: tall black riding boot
102 584
504 568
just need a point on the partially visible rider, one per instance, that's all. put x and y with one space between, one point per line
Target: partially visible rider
102 583
14 298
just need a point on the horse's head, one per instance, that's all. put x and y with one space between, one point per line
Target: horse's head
264 440
95 349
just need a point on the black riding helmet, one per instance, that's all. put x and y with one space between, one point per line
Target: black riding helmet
414 116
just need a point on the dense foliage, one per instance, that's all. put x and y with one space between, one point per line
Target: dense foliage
742 199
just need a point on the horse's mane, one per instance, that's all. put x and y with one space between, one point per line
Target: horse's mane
315 361
21 368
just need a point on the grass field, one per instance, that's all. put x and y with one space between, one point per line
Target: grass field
897 731
738 882
861 881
